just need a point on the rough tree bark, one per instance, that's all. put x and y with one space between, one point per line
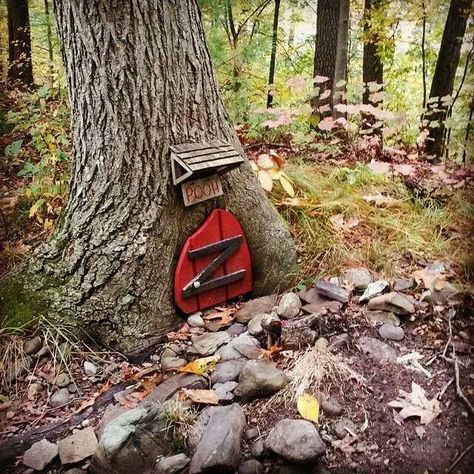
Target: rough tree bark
340 69
140 79
325 52
445 72
271 73
20 68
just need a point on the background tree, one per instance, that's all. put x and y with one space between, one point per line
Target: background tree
340 68
443 80
140 79
20 68
271 73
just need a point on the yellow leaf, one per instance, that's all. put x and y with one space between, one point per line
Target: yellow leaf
200 366
287 186
308 407
254 166
265 161
265 180
275 173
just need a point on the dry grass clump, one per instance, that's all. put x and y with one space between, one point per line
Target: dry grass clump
179 418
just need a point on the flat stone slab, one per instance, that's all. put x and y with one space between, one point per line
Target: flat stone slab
389 331
243 346
40 455
393 302
250 308
208 343
332 291
77 447
322 307
377 350
359 278
227 371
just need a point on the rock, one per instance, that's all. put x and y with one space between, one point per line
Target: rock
442 296
172 363
374 289
359 278
172 465
62 380
166 389
196 331
383 317
251 466
338 341
332 291
60 397
196 321
72 388
331 407
224 391
227 371
110 413
251 433
248 310
311 296
377 350
243 346
168 352
259 323
402 284
322 307
392 302
339 427
18 368
208 343
298 333
258 449
321 344
40 454
296 441
219 447
389 331
78 446
132 442
33 390
90 369
289 306
33 345
259 378
236 329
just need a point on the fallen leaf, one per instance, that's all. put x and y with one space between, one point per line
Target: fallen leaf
265 161
287 186
420 431
207 397
432 276
265 180
308 407
200 366
416 404
379 199
339 223
379 167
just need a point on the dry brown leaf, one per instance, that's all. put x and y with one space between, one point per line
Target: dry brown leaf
207 397
432 277
379 199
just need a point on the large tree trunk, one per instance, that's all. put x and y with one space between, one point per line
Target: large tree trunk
20 69
340 70
271 73
325 52
445 72
140 79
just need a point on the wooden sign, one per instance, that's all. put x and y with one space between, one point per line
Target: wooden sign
201 190
190 161
214 265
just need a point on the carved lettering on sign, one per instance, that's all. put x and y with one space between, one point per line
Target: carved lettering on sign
201 189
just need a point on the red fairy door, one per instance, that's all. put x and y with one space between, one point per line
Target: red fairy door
214 265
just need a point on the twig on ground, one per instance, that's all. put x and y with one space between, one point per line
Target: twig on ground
453 465
443 390
458 388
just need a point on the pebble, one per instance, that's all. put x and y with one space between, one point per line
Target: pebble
374 289
78 446
40 454
289 306
90 369
62 380
255 306
377 350
338 341
251 433
358 277
33 345
254 326
224 391
172 363
196 321
339 427
331 407
389 331
332 291
393 302
236 329
208 343
172 464
60 397
321 344
402 284
243 346
258 449
72 388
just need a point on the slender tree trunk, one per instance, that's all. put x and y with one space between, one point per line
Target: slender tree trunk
291 31
271 74
445 72
140 79
340 72
20 70
325 53
50 41
468 130
423 51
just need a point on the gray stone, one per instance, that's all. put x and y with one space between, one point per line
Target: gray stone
298 333
168 352
389 331
392 302
359 278
311 296
172 363
442 296
40 454
224 391
296 441
338 341
243 346
332 291
196 321
251 433
90 369
236 329
227 371
339 427
258 449
321 344
256 326
110 413
78 446
33 345
249 309
377 350
208 343
322 307
289 306
172 465
383 317
173 384
219 447
374 289
252 466
402 284
59 398
63 380
259 378
33 390
331 407
72 387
